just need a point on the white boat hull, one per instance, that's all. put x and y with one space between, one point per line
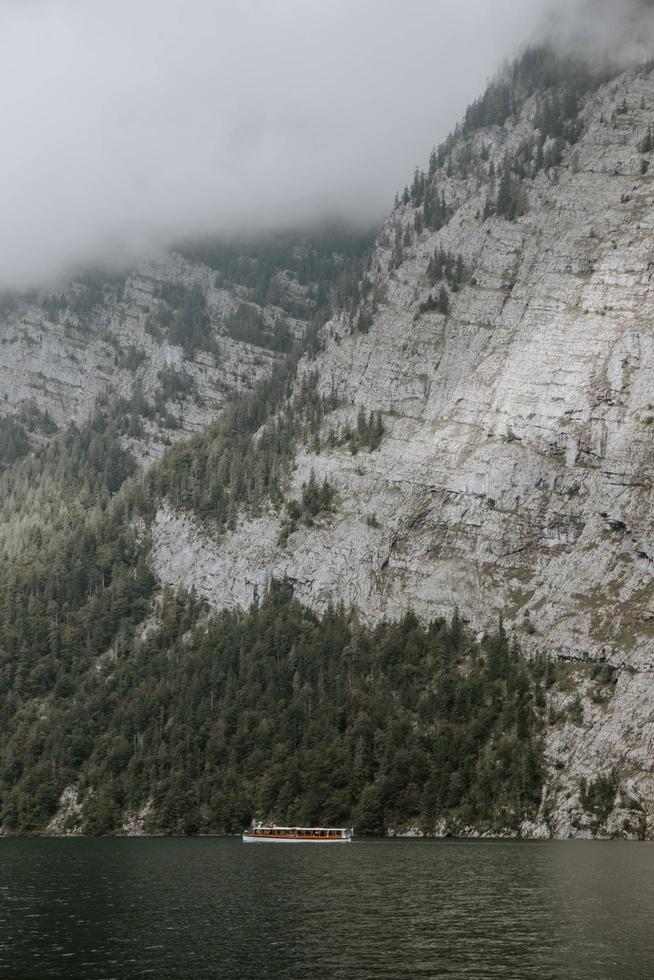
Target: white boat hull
254 839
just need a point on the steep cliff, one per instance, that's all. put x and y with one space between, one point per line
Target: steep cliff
471 435
514 476
166 343
514 473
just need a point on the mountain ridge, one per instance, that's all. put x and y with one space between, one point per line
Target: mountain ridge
369 371
467 437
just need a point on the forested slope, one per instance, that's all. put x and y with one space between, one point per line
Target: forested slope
391 454
208 721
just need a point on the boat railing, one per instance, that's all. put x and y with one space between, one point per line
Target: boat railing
272 830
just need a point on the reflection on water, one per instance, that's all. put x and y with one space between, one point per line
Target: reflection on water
190 909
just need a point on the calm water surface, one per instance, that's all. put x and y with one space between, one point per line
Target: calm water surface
201 908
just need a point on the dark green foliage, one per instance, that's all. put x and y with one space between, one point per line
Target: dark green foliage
131 359
67 593
435 212
598 796
429 306
604 673
87 459
14 443
370 429
225 468
425 193
364 321
56 617
96 450
174 385
576 712
127 414
319 261
368 433
316 497
646 145
247 324
280 714
34 419
493 108
557 117
443 265
538 68
397 255
510 201
439 304
182 313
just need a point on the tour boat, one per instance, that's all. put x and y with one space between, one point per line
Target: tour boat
272 834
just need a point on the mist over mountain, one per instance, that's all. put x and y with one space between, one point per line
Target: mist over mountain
129 125
606 33
263 494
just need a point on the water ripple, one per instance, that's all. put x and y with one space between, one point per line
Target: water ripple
209 908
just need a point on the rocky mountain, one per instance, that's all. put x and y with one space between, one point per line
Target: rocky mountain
514 475
471 436
168 343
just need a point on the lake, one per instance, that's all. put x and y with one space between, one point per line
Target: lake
188 909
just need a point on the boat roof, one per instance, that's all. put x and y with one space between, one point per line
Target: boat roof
276 827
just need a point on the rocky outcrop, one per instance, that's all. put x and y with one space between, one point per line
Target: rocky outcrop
67 821
515 473
599 745
64 348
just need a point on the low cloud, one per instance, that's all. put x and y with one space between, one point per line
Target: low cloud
607 33
131 123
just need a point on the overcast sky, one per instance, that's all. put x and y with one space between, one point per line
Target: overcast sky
127 123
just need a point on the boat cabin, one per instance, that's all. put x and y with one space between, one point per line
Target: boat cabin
310 834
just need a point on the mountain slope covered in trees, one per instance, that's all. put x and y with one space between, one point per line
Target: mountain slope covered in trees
206 722
187 644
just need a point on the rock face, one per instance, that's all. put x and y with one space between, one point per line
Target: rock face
602 737
515 472
514 475
63 349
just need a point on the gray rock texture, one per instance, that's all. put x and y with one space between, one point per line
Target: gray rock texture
515 473
514 476
62 360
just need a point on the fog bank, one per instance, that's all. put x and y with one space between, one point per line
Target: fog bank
132 123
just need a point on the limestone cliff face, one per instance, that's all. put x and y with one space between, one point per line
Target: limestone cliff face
60 351
515 473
